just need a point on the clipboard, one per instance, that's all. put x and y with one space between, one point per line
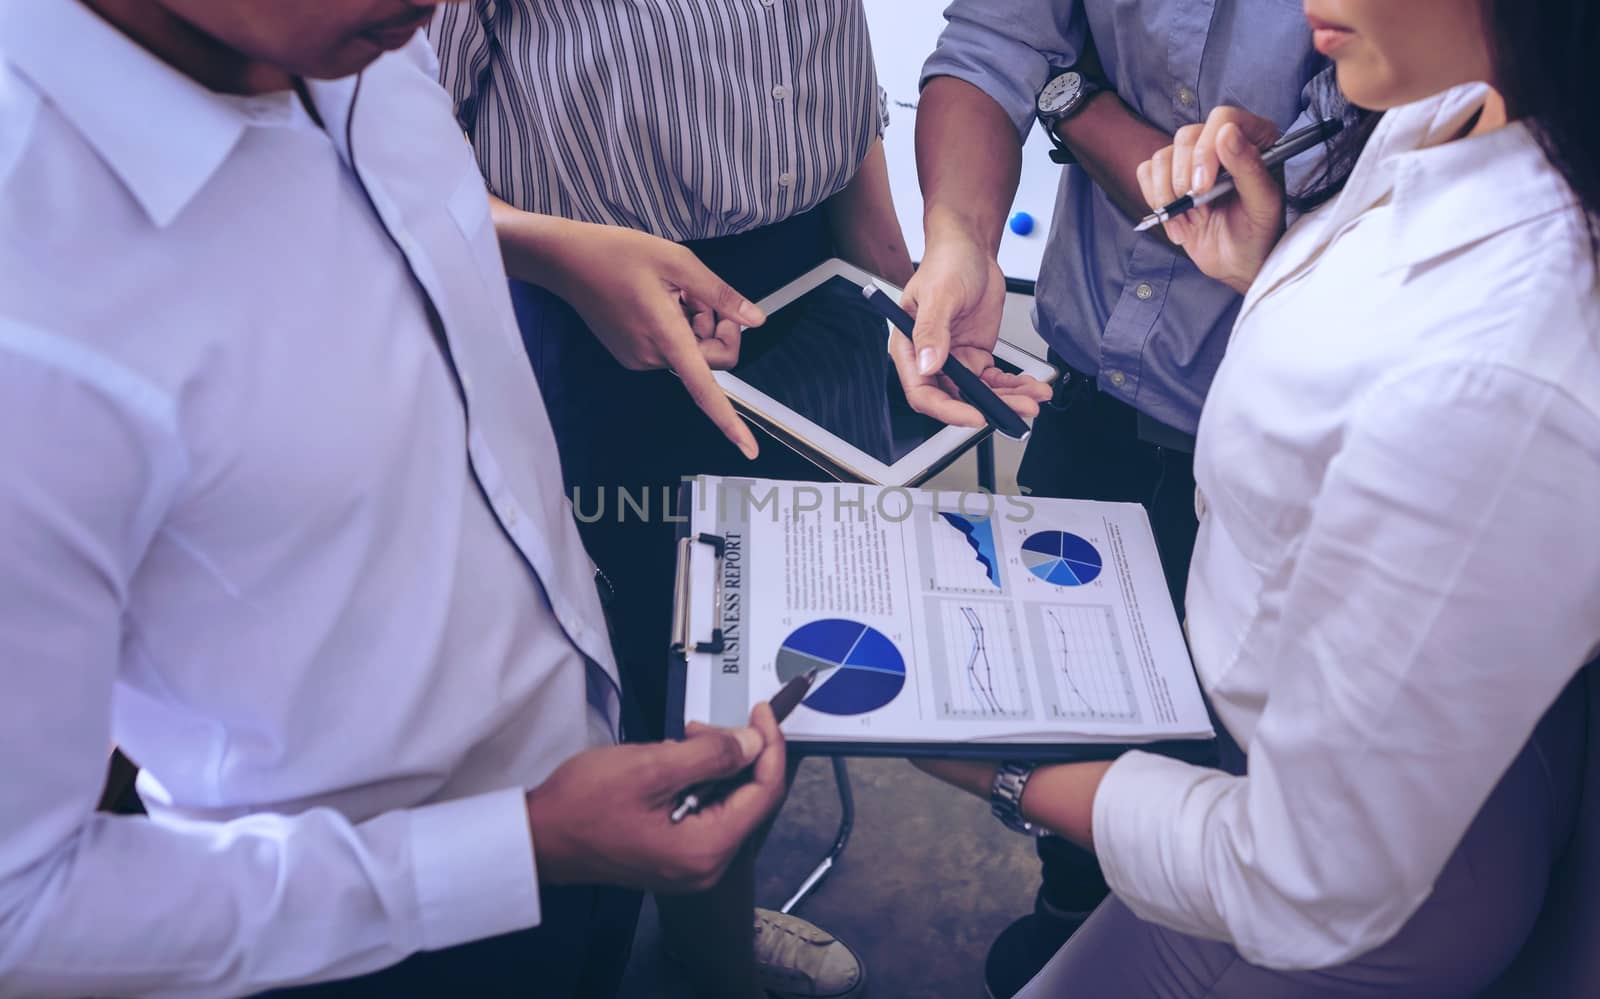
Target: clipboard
1202 752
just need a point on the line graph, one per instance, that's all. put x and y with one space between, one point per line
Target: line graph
984 673
1085 671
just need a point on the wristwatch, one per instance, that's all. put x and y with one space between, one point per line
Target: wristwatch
1064 96
1005 796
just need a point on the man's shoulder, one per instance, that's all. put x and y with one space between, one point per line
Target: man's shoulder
420 54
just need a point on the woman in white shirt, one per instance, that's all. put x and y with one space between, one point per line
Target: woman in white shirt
1398 569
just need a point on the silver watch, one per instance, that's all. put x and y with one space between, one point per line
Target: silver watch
1005 796
1062 97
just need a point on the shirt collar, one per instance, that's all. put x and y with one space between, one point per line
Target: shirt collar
1451 194
335 101
162 133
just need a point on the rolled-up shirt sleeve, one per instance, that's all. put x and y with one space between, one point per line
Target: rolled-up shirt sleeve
1447 589
1008 50
92 904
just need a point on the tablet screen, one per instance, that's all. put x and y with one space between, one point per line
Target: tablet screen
825 356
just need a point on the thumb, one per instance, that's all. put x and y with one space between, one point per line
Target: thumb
705 756
1258 191
930 337
708 291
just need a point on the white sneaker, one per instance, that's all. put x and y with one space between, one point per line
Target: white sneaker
797 960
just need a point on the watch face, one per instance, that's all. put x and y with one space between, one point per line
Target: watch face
1061 93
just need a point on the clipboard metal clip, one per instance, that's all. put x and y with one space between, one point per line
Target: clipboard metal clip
683 592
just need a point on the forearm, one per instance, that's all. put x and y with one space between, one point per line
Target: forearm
1059 798
968 162
866 230
128 906
532 244
1110 141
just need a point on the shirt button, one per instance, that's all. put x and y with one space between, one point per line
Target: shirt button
786 179
768 3
1185 96
466 382
1144 292
780 92
1117 378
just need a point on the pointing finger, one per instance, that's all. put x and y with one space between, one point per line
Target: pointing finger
684 357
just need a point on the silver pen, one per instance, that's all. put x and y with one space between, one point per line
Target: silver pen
1279 153
701 795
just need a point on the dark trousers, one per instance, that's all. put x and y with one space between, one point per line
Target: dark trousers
637 433
578 951
1086 445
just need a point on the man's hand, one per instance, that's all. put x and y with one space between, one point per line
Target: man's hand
651 302
957 297
602 817
1228 239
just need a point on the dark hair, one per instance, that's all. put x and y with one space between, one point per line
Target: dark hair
1544 55
1342 151
1543 51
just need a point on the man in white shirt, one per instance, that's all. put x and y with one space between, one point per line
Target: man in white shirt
280 521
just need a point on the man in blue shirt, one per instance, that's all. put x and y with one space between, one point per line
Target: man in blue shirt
1138 329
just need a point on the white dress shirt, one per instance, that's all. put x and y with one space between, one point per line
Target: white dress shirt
1398 568
256 532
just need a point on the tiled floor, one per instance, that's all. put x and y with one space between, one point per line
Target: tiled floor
928 878
927 881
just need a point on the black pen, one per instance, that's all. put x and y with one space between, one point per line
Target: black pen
1003 417
701 795
1276 155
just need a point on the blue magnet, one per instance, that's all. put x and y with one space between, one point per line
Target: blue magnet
1022 223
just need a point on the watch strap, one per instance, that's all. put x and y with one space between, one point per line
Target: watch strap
1090 86
1005 796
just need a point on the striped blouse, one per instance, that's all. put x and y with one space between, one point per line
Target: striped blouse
684 118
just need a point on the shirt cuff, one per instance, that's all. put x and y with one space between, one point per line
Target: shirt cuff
1148 824
473 862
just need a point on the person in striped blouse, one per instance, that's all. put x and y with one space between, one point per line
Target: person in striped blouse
656 164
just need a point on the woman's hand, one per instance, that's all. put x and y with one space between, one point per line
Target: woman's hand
1228 239
652 303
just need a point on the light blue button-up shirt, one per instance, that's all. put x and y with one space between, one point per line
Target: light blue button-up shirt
1118 305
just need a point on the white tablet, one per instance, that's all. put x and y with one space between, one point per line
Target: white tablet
818 376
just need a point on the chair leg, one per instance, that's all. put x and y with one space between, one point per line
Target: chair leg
986 479
847 820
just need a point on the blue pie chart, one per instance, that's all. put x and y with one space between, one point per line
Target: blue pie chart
863 671
1061 558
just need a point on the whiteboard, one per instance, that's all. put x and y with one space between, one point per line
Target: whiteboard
904 33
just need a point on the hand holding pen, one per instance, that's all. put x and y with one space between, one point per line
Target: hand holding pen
958 295
1227 222
602 816
708 793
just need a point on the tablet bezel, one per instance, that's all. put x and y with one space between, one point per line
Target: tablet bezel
836 455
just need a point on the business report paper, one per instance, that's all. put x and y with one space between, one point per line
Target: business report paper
933 617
